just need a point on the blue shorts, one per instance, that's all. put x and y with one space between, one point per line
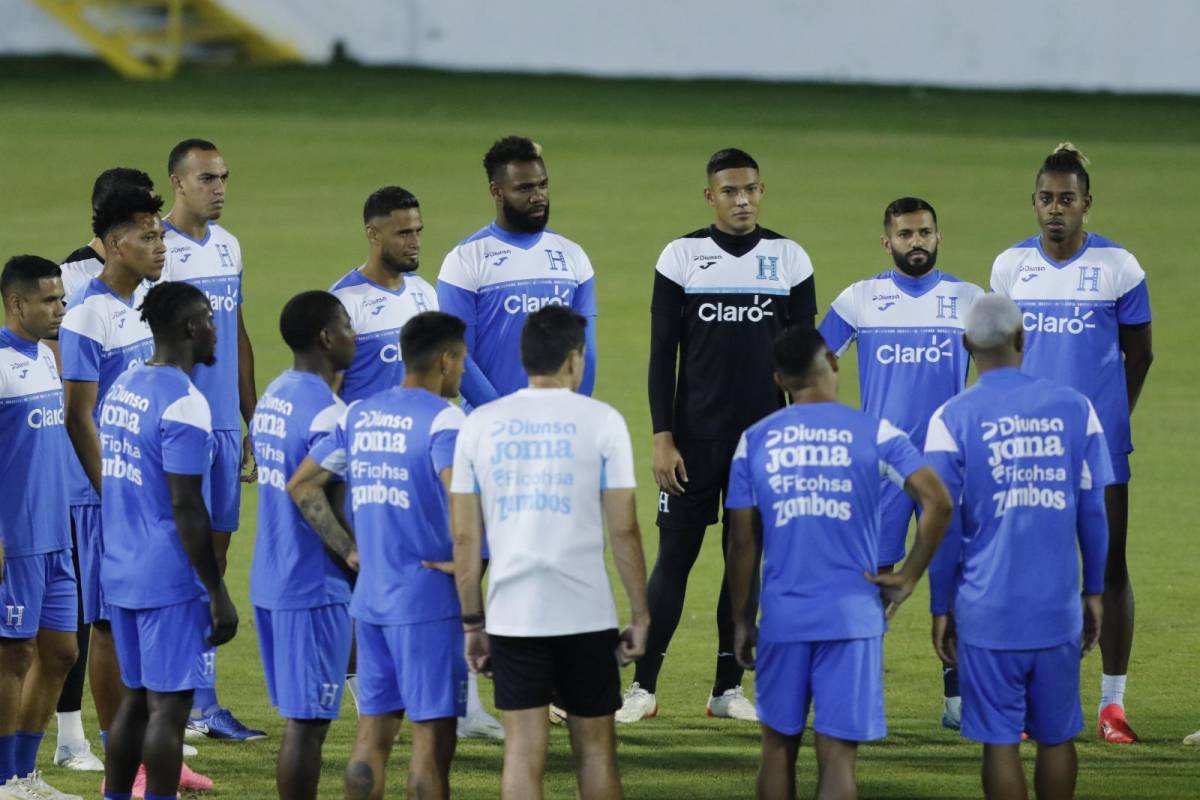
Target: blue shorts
895 510
842 680
1006 692
158 647
305 653
1120 465
38 593
89 548
419 669
225 481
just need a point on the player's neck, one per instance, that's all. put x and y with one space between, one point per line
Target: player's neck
173 354
1061 251
559 381
986 362
429 381
314 364
120 279
190 224
97 247
813 394
376 272
14 327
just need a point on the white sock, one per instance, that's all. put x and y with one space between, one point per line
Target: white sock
352 685
70 729
1112 690
474 705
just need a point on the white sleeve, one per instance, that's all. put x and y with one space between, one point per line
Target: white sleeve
327 419
191 409
464 480
1130 275
616 450
583 264
456 272
938 438
801 268
669 264
450 418
1002 274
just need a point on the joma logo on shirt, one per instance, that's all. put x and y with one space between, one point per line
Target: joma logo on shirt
21 368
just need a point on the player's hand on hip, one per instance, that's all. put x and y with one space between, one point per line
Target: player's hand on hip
894 589
249 465
670 473
479 657
224 618
633 642
945 639
1093 615
440 566
745 639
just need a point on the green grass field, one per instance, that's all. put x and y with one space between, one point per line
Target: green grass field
627 164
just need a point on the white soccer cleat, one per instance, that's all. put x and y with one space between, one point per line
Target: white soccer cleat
480 725
952 713
78 756
732 705
557 714
1193 739
35 788
189 751
637 705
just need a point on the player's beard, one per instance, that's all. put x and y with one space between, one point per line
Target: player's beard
398 265
522 221
914 270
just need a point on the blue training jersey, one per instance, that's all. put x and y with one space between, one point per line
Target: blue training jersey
391 448
33 461
813 472
292 568
911 357
377 314
495 278
1072 311
213 265
101 336
154 421
1016 452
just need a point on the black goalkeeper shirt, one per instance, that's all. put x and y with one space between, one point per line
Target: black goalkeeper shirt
719 301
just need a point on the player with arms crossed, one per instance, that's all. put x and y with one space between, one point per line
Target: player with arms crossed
543 470
207 256
159 573
394 451
299 583
38 600
1086 312
721 294
804 497
1026 461
908 325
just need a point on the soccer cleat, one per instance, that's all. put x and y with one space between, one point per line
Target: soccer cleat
638 704
138 791
222 724
1112 726
732 704
194 781
189 751
480 725
78 756
952 713
1193 739
32 787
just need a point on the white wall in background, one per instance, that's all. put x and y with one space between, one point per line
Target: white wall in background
1070 44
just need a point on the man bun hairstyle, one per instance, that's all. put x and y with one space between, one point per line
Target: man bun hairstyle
383 202
22 274
305 316
1069 159
119 176
179 152
119 207
508 150
795 351
426 336
549 337
730 158
906 205
168 304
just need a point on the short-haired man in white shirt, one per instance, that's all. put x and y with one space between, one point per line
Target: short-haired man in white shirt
544 468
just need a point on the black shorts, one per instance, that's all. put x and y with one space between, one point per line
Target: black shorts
707 462
578 670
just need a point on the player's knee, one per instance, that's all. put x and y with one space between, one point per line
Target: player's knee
16 656
59 658
359 780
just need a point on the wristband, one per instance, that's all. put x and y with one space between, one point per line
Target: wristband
473 619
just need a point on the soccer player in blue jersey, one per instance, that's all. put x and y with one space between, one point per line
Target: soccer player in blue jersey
908 326
804 497
38 612
206 255
1086 312
299 583
1026 461
394 451
159 574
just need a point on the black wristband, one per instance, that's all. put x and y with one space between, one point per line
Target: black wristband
473 619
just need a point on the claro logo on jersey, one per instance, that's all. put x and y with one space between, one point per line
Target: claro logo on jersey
525 303
1043 322
223 302
932 353
720 311
45 417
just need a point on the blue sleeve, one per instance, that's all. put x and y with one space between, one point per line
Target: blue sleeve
476 388
186 449
1092 524
589 359
836 332
80 357
441 449
944 568
740 493
585 299
329 451
900 458
1133 307
1098 462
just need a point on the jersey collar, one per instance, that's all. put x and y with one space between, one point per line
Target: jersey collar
1001 375
207 233
915 287
1087 242
525 241
19 343
736 246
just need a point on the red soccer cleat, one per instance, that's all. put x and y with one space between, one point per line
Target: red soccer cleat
194 781
1112 726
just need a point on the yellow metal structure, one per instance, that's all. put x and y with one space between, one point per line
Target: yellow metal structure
148 39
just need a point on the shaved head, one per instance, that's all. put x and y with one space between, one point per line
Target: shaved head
992 322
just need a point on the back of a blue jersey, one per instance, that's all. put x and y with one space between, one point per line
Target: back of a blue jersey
292 568
1015 452
813 472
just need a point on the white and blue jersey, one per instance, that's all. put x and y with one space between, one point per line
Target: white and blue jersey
213 265
377 314
1072 311
154 421
911 357
1017 453
292 568
391 449
813 472
101 336
80 267
493 280
33 461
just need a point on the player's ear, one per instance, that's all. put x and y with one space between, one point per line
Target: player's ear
708 196
372 233
832 359
779 380
1019 340
494 190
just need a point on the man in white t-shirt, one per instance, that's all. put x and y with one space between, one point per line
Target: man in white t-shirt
543 469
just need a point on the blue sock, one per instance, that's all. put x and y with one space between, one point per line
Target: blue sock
8 748
118 796
150 796
25 753
204 701
950 682
103 742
